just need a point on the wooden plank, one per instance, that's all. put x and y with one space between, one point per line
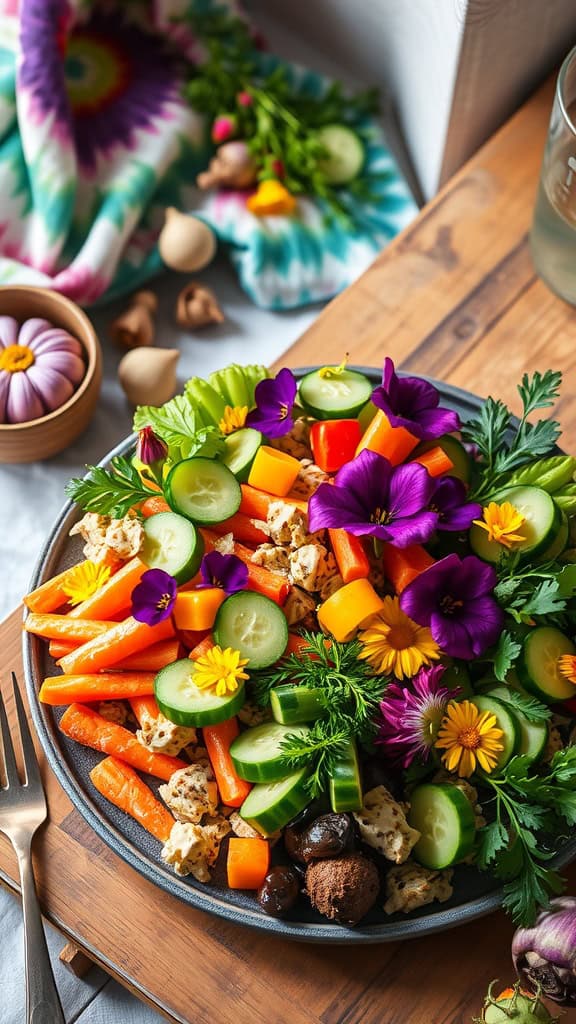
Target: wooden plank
455 297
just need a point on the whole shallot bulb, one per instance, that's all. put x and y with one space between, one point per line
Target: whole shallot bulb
41 366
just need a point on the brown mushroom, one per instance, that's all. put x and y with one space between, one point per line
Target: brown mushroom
197 306
134 328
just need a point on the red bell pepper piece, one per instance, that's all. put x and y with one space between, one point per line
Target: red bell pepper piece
334 442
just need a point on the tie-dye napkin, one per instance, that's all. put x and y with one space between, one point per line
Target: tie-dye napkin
96 141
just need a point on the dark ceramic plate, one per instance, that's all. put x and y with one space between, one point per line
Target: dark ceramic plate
474 893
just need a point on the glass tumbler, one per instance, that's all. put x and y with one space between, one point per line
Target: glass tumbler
553 235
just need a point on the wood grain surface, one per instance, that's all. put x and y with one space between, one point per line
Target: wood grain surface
455 297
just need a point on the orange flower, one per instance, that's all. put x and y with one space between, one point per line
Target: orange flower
567 666
271 197
501 522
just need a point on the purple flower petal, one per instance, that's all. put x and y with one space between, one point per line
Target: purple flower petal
332 506
411 489
475 577
435 422
414 530
449 500
154 597
275 399
451 636
413 403
484 622
226 571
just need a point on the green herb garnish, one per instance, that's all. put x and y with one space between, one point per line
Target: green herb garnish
109 492
177 424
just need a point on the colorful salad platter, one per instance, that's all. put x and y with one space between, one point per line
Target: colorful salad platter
302 650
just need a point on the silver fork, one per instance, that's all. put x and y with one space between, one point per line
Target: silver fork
22 810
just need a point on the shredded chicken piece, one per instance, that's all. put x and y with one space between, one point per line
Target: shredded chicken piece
287 524
163 736
409 886
311 566
330 585
113 711
382 825
272 557
296 442
251 714
244 830
298 608
225 544
190 794
192 849
104 536
310 476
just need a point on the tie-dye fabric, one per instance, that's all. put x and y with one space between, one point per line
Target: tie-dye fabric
96 140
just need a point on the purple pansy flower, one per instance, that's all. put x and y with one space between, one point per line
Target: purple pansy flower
153 598
449 501
226 571
370 496
411 715
413 403
454 598
150 449
275 399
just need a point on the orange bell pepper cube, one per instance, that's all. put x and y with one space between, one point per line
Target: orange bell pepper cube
343 613
334 442
402 565
351 558
273 471
217 740
197 609
120 784
435 460
394 443
248 863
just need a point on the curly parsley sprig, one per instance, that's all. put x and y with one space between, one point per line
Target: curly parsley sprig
109 492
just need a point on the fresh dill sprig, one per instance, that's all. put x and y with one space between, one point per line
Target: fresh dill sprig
109 491
318 750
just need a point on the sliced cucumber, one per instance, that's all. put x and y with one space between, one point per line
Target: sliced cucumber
257 753
180 700
538 664
346 783
254 625
339 397
345 153
203 490
292 704
444 818
172 543
456 452
505 720
240 451
533 735
559 543
270 806
541 526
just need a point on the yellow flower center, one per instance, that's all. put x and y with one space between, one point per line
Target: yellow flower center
233 419
469 738
327 372
163 602
501 523
220 669
393 644
402 636
15 358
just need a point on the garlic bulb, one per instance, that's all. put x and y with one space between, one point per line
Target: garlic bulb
135 326
186 243
197 306
40 367
148 375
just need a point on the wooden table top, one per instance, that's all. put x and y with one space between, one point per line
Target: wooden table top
456 297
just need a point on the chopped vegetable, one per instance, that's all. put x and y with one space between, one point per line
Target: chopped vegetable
196 609
263 581
352 561
66 689
435 460
144 707
121 640
114 596
124 788
394 443
242 528
255 503
334 442
50 595
273 471
248 862
86 726
151 659
402 565
217 739
152 506
345 611
62 627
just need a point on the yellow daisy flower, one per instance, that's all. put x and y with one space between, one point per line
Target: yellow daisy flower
469 736
567 666
501 523
221 669
233 419
84 580
393 643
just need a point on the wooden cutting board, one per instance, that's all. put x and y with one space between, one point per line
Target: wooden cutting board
455 297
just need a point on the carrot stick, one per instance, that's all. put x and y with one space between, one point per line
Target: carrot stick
144 707
124 788
49 596
255 503
118 642
56 690
248 862
243 529
62 627
264 581
153 505
113 596
217 739
90 729
435 461
57 649
402 565
350 556
394 443
203 647
152 658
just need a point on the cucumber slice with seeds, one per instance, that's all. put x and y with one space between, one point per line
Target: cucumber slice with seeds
445 819
254 625
257 753
172 543
533 735
541 526
180 700
240 452
538 664
270 806
341 396
203 490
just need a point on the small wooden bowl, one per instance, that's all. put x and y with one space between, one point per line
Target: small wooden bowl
41 438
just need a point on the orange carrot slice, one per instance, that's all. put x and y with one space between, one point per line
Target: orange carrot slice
56 690
152 658
255 503
243 529
118 642
120 784
402 565
144 707
394 443
113 596
49 596
57 648
435 460
203 647
351 558
248 862
217 739
86 726
62 627
152 506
